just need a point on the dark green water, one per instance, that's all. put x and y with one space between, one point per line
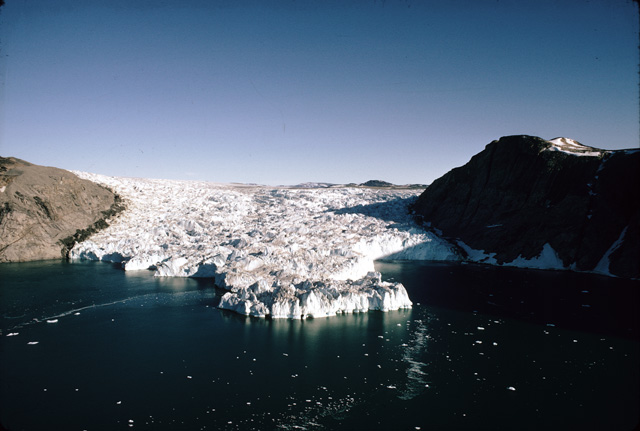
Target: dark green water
483 348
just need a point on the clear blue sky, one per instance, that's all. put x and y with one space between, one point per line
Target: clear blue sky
283 92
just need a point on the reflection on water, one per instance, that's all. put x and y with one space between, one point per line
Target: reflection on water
416 369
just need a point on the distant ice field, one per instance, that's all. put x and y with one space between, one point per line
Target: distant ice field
280 252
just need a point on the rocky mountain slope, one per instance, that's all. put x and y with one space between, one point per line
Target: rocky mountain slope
44 210
523 196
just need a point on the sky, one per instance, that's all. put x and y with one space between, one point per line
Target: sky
291 91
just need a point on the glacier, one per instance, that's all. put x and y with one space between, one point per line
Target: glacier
279 252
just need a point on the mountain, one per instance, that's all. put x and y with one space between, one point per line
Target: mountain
44 210
524 199
376 183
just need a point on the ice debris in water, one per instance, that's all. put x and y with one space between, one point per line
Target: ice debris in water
280 252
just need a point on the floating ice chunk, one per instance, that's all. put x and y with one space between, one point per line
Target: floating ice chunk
33 343
319 299
12 334
511 388
52 321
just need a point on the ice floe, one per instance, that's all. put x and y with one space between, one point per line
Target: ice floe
280 252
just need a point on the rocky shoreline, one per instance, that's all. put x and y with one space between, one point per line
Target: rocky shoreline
524 200
44 211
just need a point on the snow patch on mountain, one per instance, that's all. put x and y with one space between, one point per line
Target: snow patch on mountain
478 256
603 265
280 252
575 148
547 259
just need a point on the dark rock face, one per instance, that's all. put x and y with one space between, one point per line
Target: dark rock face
44 210
522 192
376 183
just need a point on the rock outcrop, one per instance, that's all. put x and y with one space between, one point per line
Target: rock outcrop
376 183
44 210
523 194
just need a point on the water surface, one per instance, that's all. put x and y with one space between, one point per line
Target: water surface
482 348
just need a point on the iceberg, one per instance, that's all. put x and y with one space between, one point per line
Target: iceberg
318 299
278 251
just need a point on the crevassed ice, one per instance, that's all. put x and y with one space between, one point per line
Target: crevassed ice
280 252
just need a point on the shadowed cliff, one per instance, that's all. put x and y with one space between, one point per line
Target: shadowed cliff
44 210
523 192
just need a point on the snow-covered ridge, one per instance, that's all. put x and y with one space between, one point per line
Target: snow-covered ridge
575 148
280 252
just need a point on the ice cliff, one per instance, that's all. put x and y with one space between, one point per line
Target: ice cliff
279 252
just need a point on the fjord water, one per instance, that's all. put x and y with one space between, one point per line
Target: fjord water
482 348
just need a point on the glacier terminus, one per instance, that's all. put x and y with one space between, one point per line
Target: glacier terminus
279 252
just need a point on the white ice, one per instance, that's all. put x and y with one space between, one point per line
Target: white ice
603 265
575 148
547 259
280 252
478 255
